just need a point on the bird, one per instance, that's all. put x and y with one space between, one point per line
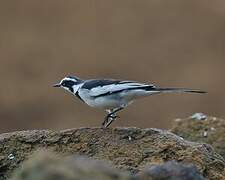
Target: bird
112 95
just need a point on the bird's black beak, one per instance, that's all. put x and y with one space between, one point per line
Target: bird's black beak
56 85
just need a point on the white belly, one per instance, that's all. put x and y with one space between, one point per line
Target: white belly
104 102
114 100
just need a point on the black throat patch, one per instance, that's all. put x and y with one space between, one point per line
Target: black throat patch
71 89
77 94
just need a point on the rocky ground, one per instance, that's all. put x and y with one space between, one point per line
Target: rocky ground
48 166
128 153
202 128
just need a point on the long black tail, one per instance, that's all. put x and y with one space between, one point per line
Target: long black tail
179 90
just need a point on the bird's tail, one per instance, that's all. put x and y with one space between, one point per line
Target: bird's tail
179 90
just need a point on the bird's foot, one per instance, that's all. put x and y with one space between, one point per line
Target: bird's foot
109 119
112 116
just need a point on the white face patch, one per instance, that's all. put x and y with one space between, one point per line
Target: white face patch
66 88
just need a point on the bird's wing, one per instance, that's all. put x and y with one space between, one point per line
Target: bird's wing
102 87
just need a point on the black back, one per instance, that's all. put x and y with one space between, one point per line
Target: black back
102 82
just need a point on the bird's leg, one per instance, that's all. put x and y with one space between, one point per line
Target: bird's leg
114 111
108 117
111 117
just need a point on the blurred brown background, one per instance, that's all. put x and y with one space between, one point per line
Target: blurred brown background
178 43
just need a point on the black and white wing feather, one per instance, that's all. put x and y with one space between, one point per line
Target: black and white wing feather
103 87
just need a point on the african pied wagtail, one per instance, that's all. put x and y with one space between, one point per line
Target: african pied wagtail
112 95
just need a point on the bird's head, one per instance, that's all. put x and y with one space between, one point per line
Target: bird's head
69 83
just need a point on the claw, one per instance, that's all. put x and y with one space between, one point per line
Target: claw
103 124
110 117
106 120
113 116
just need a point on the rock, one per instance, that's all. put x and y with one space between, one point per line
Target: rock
210 130
171 170
129 149
48 166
